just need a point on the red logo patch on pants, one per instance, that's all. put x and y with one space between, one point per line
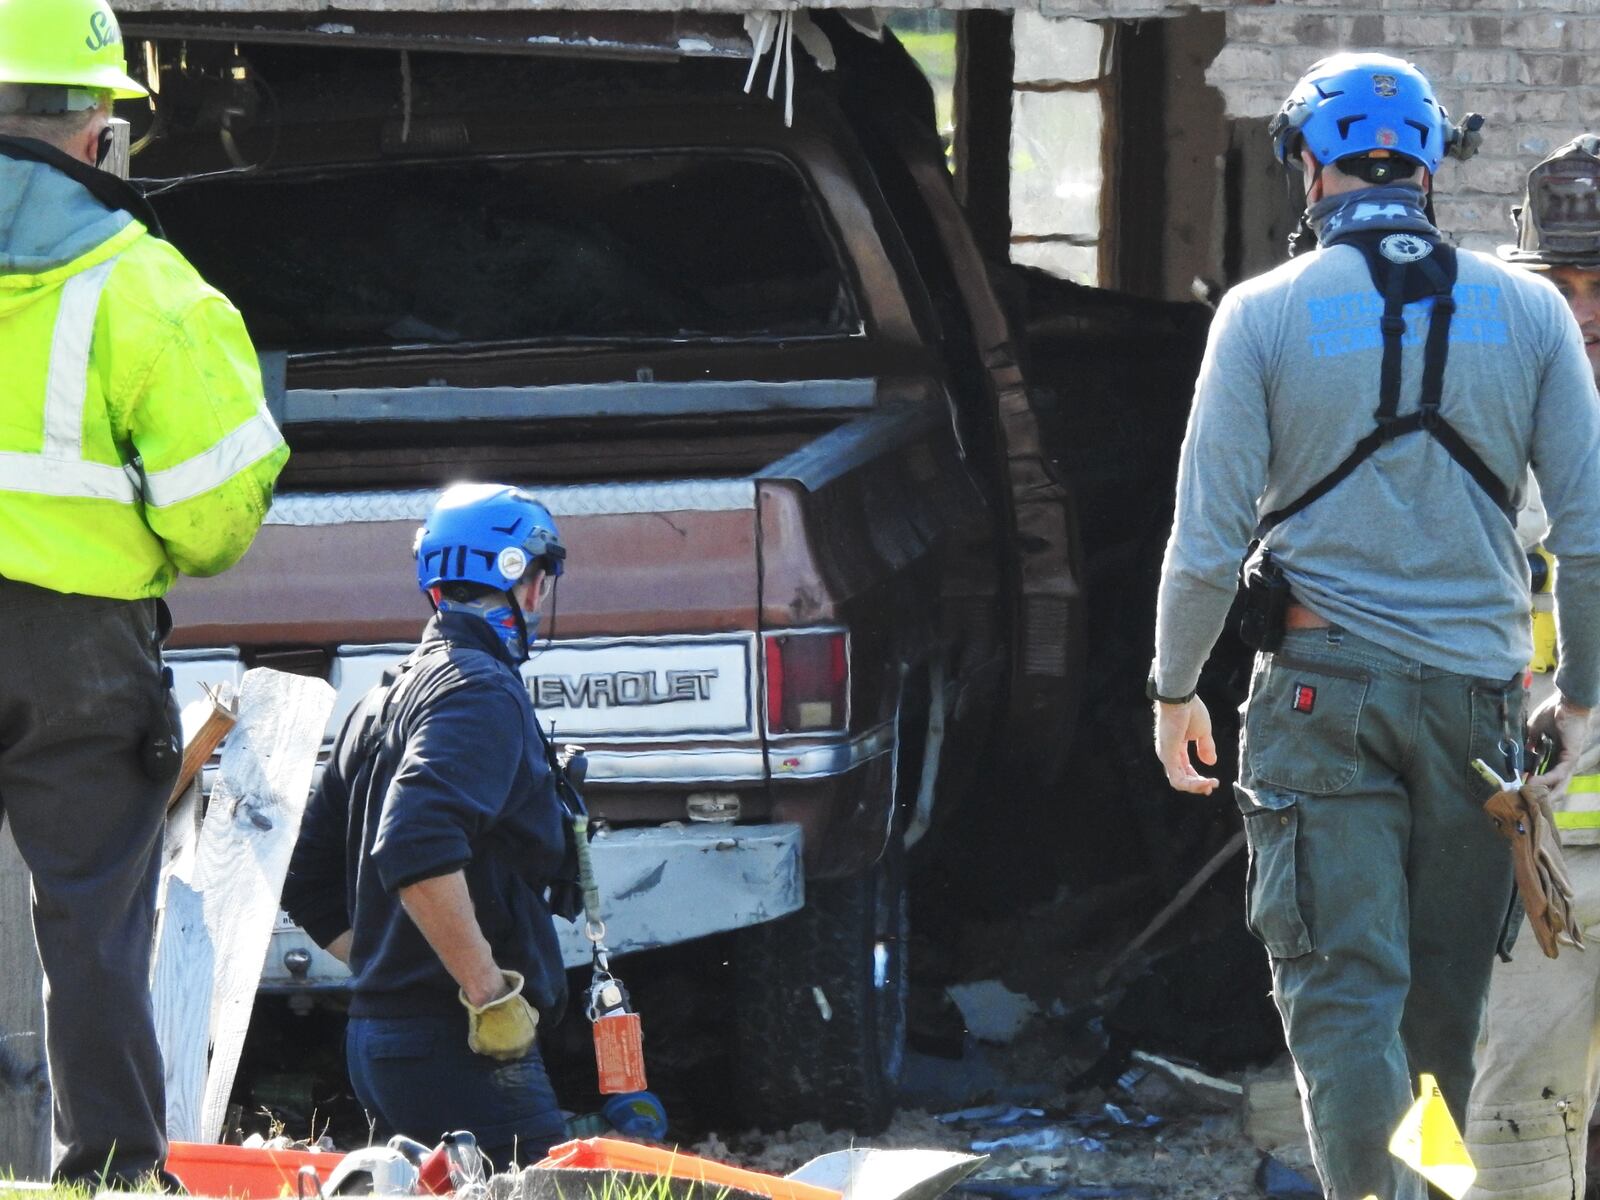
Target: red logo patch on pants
1305 698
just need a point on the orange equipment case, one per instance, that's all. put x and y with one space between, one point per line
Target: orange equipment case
248 1173
610 1154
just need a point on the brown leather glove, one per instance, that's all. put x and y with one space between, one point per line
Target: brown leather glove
1524 819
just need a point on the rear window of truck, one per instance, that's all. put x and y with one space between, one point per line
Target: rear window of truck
550 248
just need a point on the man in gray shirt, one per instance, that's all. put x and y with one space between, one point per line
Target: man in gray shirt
1368 412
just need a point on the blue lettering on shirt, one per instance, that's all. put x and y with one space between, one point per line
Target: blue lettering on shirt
1348 323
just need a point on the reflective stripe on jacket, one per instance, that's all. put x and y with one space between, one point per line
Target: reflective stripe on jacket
1578 816
134 439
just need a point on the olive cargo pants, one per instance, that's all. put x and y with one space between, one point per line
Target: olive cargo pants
81 690
1376 882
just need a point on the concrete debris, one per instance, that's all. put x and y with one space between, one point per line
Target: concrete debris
993 1012
993 1114
1039 1166
1272 1117
1207 1090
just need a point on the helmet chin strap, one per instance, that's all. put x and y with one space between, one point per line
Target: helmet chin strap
524 632
1302 237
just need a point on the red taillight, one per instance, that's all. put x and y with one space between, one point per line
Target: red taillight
808 682
774 684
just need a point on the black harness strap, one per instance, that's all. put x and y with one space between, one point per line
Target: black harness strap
1399 283
1393 326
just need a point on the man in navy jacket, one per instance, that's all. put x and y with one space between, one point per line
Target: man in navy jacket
429 844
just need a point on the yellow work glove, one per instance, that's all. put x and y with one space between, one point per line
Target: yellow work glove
503 1028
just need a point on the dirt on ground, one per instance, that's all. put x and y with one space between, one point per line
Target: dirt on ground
1064 1101
1192 1155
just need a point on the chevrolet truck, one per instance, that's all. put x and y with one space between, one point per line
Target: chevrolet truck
820 570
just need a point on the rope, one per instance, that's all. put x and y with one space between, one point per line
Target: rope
594 926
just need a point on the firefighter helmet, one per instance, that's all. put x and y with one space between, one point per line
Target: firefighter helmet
1558 221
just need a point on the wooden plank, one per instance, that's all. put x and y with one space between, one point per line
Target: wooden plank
24 1078
181 965
205 724
245 843
1174 906
179 842
181 987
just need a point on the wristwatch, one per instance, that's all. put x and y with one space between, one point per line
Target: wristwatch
1150 692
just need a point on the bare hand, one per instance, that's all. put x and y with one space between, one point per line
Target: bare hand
1570 728
1177 726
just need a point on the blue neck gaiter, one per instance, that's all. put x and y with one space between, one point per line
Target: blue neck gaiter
1398 206
497 612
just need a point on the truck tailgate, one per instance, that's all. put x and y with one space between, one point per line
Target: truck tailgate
333 568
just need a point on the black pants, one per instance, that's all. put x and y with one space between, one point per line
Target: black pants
80 691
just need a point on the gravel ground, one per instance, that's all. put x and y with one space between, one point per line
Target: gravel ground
1194 1145
1197 1156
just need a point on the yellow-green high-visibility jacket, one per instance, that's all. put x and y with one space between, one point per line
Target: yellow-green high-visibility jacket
134 439
1578 812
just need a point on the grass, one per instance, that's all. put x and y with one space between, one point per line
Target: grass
22 1191
11 1186
615 1186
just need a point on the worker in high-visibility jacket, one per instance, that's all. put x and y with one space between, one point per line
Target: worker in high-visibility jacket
1539 1055
134 444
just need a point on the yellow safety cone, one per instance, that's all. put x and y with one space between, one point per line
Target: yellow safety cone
1429 1143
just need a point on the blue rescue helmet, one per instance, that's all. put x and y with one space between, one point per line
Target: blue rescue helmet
486 533
1355 104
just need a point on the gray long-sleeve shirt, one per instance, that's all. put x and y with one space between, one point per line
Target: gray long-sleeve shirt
1408 551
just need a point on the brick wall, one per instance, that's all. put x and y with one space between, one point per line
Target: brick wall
1524 64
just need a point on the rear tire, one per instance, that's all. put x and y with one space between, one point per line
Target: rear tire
820 1025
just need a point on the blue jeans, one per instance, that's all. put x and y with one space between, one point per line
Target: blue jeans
415 1076
1377 883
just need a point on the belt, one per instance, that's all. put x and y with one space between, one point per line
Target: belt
1298 616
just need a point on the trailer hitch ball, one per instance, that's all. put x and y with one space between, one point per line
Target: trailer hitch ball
298 962
713 806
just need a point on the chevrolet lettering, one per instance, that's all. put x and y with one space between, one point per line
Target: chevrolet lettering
617 689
